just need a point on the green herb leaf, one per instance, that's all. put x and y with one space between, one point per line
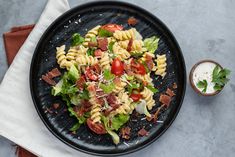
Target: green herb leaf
104 33
118 121
77 39
90 51
203 85
108 75
107 88
56 90
219 77
132 86
110 46
75 127
84 95
73 73
153 89
151 43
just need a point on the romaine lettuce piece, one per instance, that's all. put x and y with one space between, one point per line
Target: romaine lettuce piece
151 43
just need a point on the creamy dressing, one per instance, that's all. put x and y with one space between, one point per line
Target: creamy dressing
204 72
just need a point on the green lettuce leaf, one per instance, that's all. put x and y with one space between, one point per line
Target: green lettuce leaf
107 88
141 108
118 121
151 43
104 33
56 90
108 75
73 73
110 46
153 89
77 39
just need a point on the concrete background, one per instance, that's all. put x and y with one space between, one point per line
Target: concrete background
205 127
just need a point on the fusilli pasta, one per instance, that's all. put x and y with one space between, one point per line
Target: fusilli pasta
125 35
148 96
161 65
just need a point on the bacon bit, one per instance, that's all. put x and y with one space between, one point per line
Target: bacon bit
132 21
149 118
80 82
92 44
170 92
155 116
165 99
103 43
111 99
56 105
53 73
129 46
48 80
174 86
143 132
91 88
96 68
98 53
125 132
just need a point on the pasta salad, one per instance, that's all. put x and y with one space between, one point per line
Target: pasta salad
108 77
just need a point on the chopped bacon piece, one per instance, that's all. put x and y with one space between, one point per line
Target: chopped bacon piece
56 105
98 128
132 21
170 92
96 68
174 86
143 132
103 44
129 46
48 80
87 105
91 88
165 99
98 53
81 82
117 81
149 62
155 116
92 44
53 73
111 99
125 132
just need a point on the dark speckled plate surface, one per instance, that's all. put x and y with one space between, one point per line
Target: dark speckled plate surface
81 19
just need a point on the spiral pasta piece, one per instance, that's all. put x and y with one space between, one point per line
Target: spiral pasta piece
95 109
105 61
121 53
148 97
90 34
75 51
136 45
61 57
119 87
127 106
125 35
86 60
161 65
144 78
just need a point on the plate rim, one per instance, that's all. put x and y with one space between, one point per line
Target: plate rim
143 11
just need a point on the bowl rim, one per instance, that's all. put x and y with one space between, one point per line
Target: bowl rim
191 77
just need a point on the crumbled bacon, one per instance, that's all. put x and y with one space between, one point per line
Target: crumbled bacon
174 86
165 99
86 104
143 132
155 116
98 53
56 105
125 132
111 99
54 73
48 80
129 46
80 82
149 62
132 21
103 43
96 68
170 92
92 44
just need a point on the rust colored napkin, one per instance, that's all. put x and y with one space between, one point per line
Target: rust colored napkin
13 40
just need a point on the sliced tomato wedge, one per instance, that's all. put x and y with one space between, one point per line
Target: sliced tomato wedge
98 128
138 67
117 67
112 27
90 74
135 96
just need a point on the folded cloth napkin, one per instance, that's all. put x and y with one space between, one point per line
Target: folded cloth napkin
13 40
19 120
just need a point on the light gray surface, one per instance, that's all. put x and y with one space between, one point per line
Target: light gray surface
205 127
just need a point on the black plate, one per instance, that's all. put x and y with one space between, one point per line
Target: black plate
81 19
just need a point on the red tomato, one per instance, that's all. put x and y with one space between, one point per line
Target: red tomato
117 67
98 128
112 27
89 73
98 52
135 96
138 67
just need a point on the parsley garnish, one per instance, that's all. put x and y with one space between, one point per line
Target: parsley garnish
219 77
77 39
203 85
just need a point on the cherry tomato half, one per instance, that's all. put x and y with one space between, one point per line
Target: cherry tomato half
135 96
117 67
112 27
98 128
